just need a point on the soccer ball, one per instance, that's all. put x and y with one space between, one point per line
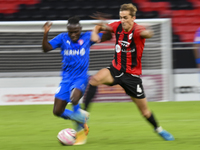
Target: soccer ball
67 136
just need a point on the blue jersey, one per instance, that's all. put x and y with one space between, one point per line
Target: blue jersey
75 55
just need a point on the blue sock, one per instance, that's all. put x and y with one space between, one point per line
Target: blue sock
76 107
66 114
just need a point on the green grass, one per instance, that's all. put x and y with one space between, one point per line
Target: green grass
113 126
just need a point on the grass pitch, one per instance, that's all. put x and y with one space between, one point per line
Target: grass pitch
113 126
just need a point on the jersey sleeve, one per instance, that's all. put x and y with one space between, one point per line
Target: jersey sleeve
197 37
56 41
138 30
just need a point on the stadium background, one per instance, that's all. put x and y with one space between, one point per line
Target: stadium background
184 14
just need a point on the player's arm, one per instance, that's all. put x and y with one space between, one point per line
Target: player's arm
46 46
107 35
145 33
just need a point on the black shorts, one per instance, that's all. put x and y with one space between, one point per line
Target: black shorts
132 84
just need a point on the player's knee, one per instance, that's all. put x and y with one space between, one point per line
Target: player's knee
57 112
75 96
94 81
75 102
146 114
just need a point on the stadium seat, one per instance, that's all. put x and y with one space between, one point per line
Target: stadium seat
9 17
193 13
178 13
178 30
139 15
180 21
152 14
187 37
196 21
59 6
165 14
145 7
73 6
21 16
1 17
195 3
160 6
175 38
37 17
180 5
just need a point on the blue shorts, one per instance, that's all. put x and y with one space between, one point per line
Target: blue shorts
63 92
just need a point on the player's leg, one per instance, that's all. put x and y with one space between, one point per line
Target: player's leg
89 96
79 86
132 84
81 127
143 108
103 76
59 109
77 115
61 101
62 97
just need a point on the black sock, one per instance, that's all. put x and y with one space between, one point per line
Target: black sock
152 120
89 96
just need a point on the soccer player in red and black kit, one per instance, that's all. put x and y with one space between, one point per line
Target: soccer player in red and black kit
126 66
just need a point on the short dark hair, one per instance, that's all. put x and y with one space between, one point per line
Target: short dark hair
73 20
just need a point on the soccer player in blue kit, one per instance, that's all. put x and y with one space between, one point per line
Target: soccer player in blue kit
75 49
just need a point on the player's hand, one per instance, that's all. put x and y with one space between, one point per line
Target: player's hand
47 26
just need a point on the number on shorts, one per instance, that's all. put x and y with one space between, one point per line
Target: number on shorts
139 89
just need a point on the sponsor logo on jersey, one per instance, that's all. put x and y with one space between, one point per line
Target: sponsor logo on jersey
130 36
117 48
82 51
126 51
74 52
124 43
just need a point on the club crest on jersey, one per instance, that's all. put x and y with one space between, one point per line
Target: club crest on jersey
80 42
130 36
117 48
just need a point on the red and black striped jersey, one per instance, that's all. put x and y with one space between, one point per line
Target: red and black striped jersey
128 48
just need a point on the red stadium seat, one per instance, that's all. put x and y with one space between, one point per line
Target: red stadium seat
179 30
165 14
193 13
178 13
196 21
187 37
145 6
160 6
